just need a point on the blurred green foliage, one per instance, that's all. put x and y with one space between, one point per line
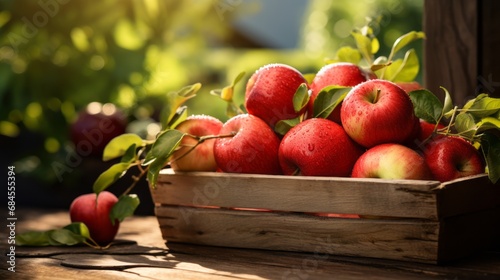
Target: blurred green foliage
56 56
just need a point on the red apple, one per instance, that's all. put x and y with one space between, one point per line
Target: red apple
391 161
270 90
427 130
95 126
410 86
318 147
95 215
252 149
376 112
340 74
200 158
453 157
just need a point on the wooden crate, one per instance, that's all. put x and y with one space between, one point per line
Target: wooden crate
410 220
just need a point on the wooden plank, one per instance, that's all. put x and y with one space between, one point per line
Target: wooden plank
467 195
376 197
489 75
411 240
450 48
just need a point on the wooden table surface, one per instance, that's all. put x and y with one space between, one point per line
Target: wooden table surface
141 253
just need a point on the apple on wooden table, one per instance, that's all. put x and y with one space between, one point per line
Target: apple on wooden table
94 211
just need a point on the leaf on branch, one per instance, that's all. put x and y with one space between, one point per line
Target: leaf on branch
301 98
111 175
119 145
426 105
125 207
490 144
404 40
283 126
175 99
160 152
328 99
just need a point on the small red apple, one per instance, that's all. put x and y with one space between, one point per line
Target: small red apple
200 158
376 112
452 157
340 74
318 147
94 213
270 90
391 161
252 149
95 126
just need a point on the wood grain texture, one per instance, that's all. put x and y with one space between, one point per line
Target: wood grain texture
489 61
396 198
389 239
451 47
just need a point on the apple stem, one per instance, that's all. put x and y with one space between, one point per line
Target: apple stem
377 94
452 120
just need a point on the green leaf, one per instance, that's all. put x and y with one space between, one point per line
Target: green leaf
175 99
180 115
65 237
348 54
364 45
79 229
162 149
448 103
111 175
490 144
426 105
231 110
130 155
328 99
465 125
300 98
484 106
238 78
283 126
403 70
488 123
125 207
404 40
32 238
119 145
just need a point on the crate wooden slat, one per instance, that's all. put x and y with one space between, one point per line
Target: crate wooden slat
411 220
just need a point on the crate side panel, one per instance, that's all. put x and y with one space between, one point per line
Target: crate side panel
408 240
470 233
467 195
411 199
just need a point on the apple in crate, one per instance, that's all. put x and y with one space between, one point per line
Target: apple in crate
270 90
391 161
201 158
452 157
340 74
376 112
252 149
94 213
318 147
